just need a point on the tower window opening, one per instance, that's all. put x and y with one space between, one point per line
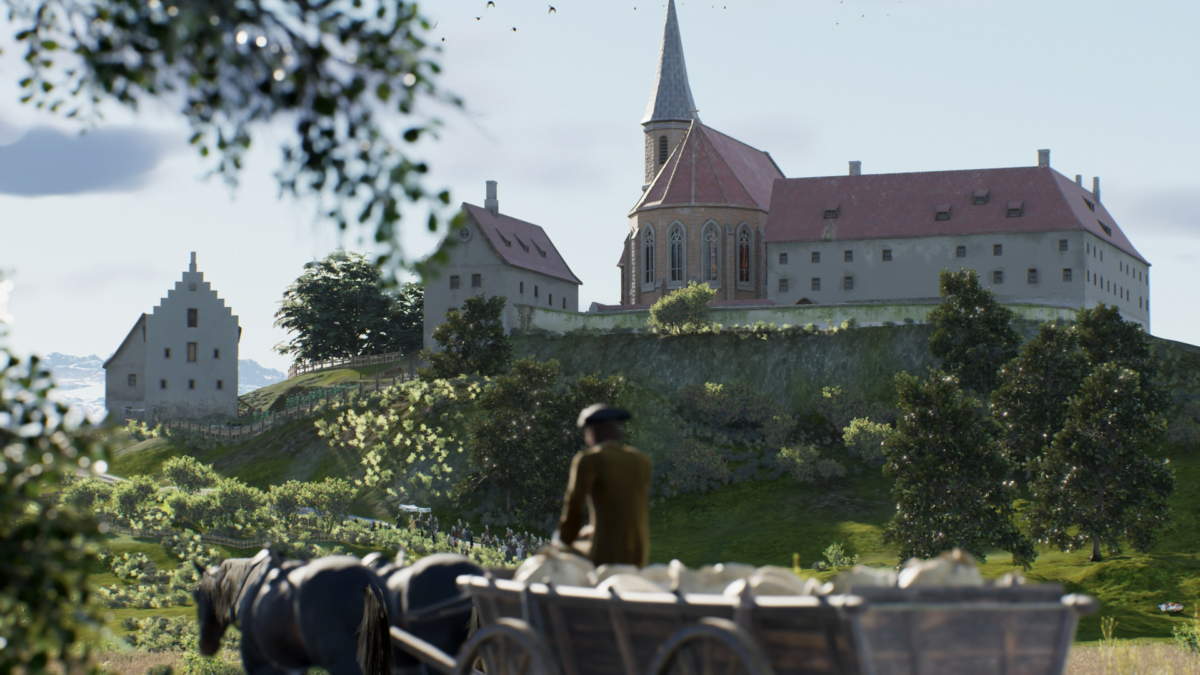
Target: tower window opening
662 150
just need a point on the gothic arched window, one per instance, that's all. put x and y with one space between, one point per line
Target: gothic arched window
648 246
710 256
744 256
677 266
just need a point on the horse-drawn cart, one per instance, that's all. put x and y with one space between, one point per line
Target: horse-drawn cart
538 629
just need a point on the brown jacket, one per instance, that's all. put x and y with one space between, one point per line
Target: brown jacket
614 480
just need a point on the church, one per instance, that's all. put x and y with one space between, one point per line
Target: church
714 210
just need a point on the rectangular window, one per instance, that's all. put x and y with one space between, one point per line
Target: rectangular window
816 283
1062 244
454 281
1139 302
522 287
848 256
887 255
220 384
193 317
191 352
191 384
564 303
816 256
476 281
782 258
997 277
848 283
535 290
162 384
960 252
167 353
997 249
1066 274
132 380
783 285
550 300
216 353
1031 276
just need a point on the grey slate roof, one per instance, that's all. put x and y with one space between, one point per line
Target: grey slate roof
671 98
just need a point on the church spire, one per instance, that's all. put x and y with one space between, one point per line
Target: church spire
671 99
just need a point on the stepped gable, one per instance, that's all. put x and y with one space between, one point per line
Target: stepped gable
671 97
521 244
710 168
875 206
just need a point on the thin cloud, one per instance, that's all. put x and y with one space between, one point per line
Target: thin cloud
1171 212
47 161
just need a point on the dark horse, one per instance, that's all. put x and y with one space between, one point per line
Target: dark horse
425 601
330 613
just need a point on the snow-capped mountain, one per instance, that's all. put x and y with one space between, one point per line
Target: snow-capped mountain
79 380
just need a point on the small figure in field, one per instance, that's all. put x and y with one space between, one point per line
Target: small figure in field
613 479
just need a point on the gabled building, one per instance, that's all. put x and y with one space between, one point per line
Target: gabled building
180 361
1033 235
496 254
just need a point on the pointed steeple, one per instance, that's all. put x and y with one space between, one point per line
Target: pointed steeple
671 98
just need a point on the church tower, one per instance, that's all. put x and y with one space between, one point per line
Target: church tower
671 108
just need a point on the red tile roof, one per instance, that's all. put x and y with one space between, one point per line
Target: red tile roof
708 167
904 205
521 244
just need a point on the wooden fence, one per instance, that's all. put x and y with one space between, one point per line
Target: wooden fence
345 362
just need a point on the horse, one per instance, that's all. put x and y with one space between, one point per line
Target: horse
330 613
425 601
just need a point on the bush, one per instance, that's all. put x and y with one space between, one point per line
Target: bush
189 475
841 408
1187 635
864 440
692 467
683 311
739 405
807 466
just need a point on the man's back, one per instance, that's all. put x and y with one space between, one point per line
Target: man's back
616 477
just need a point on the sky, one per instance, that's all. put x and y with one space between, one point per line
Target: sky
94 229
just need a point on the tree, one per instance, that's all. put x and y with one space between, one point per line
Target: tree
1034 390
332 70
192 511
972 333
524 435
1105 337
47 612
471 341
337 308
134 498
951 481
189 475
91 495
683 311
1095 484
287 500
236 505
331 500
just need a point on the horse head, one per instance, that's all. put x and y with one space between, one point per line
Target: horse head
212 608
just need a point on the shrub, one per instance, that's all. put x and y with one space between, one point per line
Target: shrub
189 475
470 341
1187 635
841 408
684 311
864 440
692 467
91 495
806 464
835 557
739 405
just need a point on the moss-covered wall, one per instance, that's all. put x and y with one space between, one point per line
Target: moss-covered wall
793 367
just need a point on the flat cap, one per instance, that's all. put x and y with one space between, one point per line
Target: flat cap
601 412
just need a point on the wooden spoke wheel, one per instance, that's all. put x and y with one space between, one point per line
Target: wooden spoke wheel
711 647
507 647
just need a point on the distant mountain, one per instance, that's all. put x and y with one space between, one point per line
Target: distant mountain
79 380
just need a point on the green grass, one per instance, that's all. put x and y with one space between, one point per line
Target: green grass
274 397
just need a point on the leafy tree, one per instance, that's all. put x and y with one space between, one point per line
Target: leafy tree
47 612
1095 483
331 500
332 70
972 332
287 500
683 311
471 341
135 497
192 511
1031 402
337 308
524 436
188 474
91 495
1105 337
951 481
236 505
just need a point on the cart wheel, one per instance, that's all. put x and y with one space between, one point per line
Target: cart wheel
711 647
507 647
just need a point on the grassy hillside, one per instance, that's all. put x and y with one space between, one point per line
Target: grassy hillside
274 397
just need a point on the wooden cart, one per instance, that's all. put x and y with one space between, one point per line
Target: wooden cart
538 629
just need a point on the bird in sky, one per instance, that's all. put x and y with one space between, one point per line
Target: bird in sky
514 29
476 18
552 10
491 4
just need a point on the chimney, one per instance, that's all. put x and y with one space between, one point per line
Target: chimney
1079 179
491 203
1044 158
1096 187
855 168
192 267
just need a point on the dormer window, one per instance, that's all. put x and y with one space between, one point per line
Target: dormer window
1015 209
832 211
503 238
1107 229
980 197
942 212
523 246
539 249
1091 206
